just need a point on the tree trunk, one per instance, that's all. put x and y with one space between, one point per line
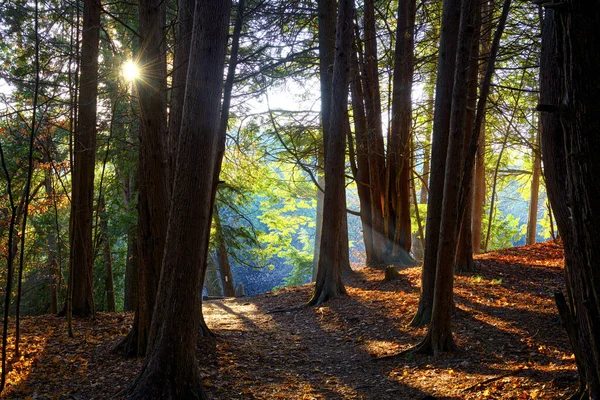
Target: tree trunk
479 179
327 12
535 187
170 369
131 264
329 277
439 335
318 223
222 258
211 281
478 192
361 176
81 257
107 257
441 125
381 242
568 99
399 148
185 21
464 251
51 240
153 198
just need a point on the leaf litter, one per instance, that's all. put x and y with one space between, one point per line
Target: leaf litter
512 345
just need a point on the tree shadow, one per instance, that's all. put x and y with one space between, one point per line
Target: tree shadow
316 351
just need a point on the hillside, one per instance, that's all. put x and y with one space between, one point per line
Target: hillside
505 323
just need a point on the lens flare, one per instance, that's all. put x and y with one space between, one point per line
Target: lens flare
131 71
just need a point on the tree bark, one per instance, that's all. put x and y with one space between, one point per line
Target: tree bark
211 281
318 222
439 335
107 258
381 242
81 256
479 179
441 125
361 176
329 276
399 149
464 251
131 264
51 240
568 98
170 369
185 21
222 258
535 187
153 197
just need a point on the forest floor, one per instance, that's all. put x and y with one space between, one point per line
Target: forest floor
505 323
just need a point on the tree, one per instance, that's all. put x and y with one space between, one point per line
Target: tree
329 275
81 254
153 199
372 102
399 150
441 124
535 186
464 252
170 367
569 85
106 257
439 335
222 257
327 35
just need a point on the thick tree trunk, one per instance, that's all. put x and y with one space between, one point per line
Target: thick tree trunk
362 176
81 256
441 125
170 369
568 99
222 258
464 251
153 200
399 149
479 179
185 21
329 276
439 335
381 241
327 11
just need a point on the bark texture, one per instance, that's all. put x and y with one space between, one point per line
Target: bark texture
81 255
441 125
372 101
153 198
399 150
571 142
223 258
439 335
170 369
329 275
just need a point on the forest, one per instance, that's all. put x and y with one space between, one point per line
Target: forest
311 199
